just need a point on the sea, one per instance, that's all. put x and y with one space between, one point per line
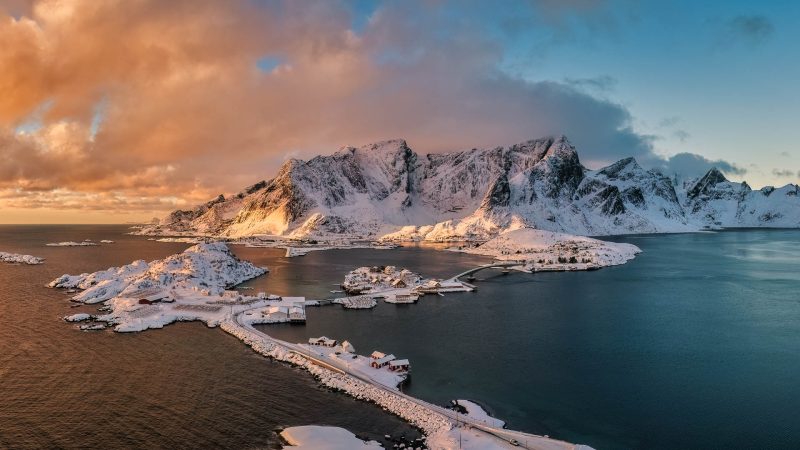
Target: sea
693 344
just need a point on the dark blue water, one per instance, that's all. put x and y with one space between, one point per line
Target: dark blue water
694 344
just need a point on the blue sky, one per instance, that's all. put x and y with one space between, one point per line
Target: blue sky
716 78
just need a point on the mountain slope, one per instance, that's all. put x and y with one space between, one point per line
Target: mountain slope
386 190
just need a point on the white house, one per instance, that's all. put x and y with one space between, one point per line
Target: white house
399 365
323 341
278 313
378 363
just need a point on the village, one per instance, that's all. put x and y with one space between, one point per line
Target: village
196 285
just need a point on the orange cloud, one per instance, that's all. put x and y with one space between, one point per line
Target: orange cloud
186 113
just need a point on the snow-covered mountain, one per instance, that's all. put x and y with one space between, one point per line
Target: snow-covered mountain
386 190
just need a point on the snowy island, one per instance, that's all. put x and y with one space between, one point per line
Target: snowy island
15 258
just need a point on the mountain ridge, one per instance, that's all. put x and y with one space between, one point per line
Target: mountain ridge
385 190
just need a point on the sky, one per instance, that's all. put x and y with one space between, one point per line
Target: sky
121 111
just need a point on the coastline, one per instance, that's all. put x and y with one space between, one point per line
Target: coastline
216 305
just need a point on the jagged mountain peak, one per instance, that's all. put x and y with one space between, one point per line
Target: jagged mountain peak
621 169
713 177
385 188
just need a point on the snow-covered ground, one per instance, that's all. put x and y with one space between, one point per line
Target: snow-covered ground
186 286
16 258
315 437
475 411
86 243
539 250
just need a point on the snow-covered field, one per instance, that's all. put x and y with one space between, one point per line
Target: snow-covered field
315 437
539 250
16 258
475 411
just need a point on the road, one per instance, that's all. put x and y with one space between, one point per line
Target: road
525 440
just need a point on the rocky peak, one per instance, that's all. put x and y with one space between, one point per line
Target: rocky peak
624 169
709 180
498 194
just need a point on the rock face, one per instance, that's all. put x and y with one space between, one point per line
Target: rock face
386 190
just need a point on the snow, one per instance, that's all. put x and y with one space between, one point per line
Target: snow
78 317
193 282
315 437
106 241
16 258
72 244
539 250
477 412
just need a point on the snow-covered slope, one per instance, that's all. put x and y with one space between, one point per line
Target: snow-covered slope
208 268
386 190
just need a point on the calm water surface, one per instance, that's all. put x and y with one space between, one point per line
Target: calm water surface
185 386
694 344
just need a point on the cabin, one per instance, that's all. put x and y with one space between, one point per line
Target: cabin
377 355
399 284
382 362
399 365
274 297
297 314
278 313
322 341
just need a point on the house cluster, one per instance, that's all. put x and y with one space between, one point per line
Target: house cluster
368 279
290 309
324 341
380 360
437 286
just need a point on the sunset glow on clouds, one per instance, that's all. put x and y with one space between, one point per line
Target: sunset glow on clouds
122 110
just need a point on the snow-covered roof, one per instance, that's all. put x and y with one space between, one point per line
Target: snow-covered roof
385 359
399 362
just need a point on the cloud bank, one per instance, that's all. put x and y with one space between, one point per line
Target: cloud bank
145 104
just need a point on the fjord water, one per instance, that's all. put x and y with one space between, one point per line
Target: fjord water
185 386
694 344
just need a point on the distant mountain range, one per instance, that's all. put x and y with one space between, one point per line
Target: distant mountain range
386 190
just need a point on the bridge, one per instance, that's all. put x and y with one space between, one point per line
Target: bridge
498 265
